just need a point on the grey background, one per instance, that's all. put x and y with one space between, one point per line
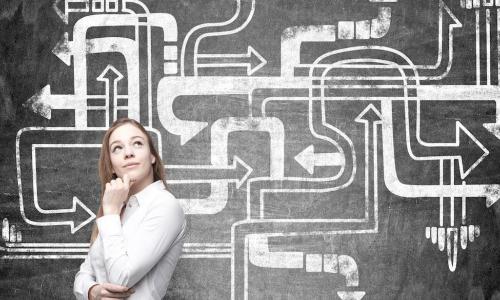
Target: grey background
396 263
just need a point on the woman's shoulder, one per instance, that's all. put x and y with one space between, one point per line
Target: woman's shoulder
163 199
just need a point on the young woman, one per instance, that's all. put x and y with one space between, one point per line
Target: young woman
140 226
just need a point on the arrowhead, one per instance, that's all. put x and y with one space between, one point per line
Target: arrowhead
492 194
63 50
476 152
110 73
351 295
256 60
454 23
61 15
80 210
369 114
241 167
306 159
37 102
493 128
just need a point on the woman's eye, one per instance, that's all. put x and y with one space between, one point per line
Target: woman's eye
138 144
116 148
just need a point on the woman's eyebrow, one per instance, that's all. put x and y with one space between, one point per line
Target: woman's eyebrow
135 136
114 142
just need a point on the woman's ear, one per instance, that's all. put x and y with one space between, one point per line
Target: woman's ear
153 160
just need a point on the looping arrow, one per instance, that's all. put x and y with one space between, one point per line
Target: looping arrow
453 22
76 217
460 149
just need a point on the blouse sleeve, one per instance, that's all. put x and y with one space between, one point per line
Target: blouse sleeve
84 280
127 262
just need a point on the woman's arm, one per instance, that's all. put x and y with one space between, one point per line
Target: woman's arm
85 287
126 265
84 280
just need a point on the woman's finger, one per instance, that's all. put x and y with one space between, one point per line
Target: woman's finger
126 180
117 295
115 288
114 298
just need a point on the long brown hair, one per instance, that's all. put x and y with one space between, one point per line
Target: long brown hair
105 168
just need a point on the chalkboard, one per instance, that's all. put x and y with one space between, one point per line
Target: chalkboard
321 149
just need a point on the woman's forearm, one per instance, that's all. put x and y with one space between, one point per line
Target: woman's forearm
127 262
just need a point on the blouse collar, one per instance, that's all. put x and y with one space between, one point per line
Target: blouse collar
146 193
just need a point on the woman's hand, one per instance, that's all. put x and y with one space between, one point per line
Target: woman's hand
115 195
109 291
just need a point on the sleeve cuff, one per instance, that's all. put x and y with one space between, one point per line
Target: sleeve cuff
86 289
109 225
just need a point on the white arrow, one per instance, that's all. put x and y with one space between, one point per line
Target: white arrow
61 15
77 205
308 159
455 24
171 87
63 49
64 216
395 186
111 74
252 57
44 101
197 173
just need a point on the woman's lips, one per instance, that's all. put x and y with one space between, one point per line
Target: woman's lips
131 166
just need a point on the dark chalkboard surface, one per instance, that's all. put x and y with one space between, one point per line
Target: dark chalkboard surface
321 149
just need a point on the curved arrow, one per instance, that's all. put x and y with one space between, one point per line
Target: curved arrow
462 136
447 150
490 191
427 71
45 217
242 16
442 41
169 88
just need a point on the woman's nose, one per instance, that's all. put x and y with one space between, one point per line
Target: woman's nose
129 151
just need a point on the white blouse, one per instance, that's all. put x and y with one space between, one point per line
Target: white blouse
140 250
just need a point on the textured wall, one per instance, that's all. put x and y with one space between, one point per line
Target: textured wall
322 149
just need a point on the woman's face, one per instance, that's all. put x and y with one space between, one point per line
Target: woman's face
129 152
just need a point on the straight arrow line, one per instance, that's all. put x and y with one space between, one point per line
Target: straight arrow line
229 55
233 166
329 159
224 65
478 50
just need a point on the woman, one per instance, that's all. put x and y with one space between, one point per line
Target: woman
140 226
